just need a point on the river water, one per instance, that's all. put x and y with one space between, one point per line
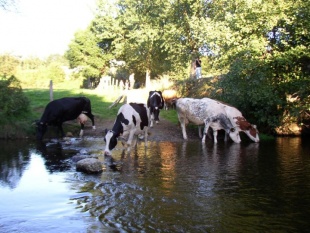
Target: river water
166 187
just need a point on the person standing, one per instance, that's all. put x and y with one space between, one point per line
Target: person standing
198 67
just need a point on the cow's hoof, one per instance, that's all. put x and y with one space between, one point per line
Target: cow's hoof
141 136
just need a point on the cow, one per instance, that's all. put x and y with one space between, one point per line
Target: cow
155 102
212 115
238 120
170 97
132 119
65 109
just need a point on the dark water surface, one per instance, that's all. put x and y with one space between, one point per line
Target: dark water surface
168 187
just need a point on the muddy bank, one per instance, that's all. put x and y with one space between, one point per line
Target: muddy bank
164 131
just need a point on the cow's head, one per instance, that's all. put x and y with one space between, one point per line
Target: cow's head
41 129
110 139
247 128
234 135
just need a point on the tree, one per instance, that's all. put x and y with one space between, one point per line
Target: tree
266 56
84 52
13 102
8 65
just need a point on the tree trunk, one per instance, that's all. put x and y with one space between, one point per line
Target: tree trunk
148 79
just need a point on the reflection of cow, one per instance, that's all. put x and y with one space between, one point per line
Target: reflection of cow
155 102
58 111
132 119
218 116
170 97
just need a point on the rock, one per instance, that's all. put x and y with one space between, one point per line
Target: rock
69 134
89 165
78 157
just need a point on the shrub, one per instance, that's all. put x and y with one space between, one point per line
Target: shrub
13 102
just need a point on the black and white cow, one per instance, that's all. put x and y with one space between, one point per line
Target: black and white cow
58 111
155 102
201 112
132 119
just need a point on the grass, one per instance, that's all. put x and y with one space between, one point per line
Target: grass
39 98
100 101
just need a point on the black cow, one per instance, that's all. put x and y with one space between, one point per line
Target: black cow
132 119
155 102
58 111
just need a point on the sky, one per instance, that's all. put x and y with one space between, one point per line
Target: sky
43 27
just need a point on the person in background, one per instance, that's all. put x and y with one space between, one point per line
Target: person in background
198 67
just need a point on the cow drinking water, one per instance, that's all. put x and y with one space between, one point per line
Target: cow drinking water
155 102
132 119
212 115
213 110
58 111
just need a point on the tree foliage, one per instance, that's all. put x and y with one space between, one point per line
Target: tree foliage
268 70
260 48
13 102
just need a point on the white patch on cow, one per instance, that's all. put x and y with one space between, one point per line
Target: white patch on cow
81 133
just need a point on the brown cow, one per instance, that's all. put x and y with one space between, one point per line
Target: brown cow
170 96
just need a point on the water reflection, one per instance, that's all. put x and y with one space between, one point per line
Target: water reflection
166 187
13 161
56 158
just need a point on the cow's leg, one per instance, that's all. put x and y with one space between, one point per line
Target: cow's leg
130 137
156 115
152 120
207 125
226 137
183 126
215 135
60 129
134 141
145 136
92 118
82 130
199 131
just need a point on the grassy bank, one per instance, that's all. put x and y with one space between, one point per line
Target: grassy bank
22 127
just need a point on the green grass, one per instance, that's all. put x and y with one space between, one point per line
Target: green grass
39 98
18 127
170 115
100 102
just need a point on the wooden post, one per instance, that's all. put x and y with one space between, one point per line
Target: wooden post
51 90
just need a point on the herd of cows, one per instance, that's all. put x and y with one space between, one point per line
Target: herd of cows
134 119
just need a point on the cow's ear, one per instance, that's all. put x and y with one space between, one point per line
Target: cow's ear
105 131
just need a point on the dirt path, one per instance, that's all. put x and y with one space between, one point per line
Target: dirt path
164 131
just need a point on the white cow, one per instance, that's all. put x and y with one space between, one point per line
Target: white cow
209 114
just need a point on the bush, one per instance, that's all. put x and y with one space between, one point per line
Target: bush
13 102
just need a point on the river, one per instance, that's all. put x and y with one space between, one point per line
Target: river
166 187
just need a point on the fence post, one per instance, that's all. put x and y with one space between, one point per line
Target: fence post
51 90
